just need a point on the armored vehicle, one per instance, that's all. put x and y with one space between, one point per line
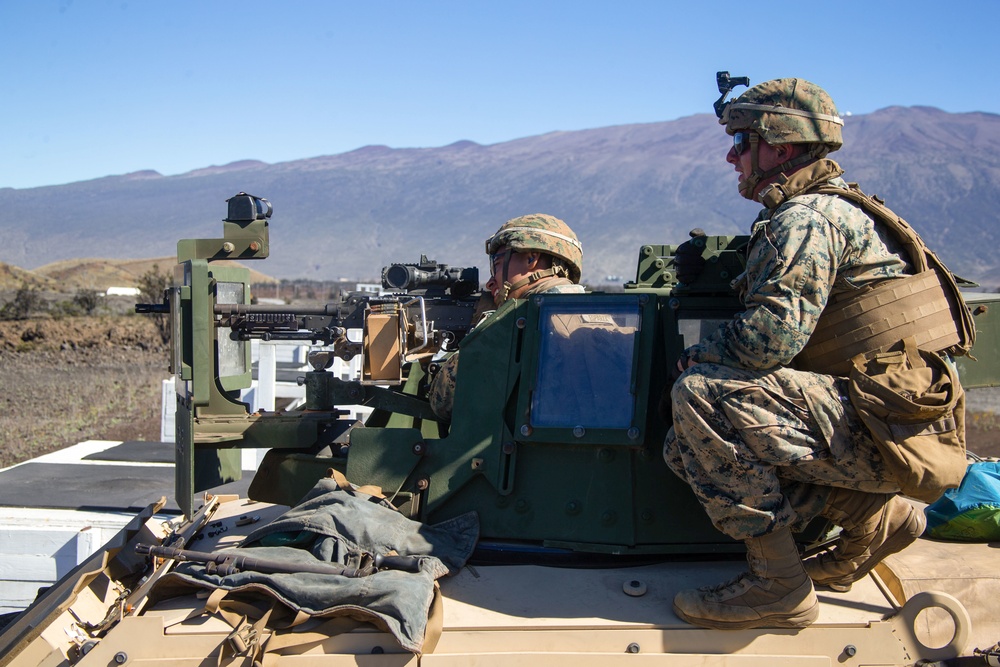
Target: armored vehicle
540 526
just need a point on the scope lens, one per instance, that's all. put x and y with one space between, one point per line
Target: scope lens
397 276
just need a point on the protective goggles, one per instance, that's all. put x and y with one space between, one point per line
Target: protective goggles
498 258
741 141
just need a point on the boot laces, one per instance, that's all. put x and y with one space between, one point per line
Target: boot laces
727 589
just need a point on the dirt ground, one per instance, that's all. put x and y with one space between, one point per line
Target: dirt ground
66 380
78 378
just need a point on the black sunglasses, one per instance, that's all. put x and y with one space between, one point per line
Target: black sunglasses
741 141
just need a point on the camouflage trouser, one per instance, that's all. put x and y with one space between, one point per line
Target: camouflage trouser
761 449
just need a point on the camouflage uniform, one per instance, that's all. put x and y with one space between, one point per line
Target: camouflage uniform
745 424
537 232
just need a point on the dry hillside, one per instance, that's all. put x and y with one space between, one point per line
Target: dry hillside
70 275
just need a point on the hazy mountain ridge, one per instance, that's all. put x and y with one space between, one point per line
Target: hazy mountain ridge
347 215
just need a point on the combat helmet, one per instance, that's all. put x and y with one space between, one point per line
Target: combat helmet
786 111
780 111
540 233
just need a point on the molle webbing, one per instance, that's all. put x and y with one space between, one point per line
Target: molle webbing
877 317
927 306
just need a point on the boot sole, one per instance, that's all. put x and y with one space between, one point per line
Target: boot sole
907 534
800 620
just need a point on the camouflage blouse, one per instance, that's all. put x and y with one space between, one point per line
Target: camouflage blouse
801 253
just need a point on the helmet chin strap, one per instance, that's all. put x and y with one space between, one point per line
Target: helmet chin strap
508 290
749 184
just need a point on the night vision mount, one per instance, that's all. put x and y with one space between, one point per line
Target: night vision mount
726 84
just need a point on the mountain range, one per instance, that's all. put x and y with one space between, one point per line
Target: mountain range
347 215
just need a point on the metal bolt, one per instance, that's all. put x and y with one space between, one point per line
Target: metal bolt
643 298
422 484
121 658
419 449
980 310
377 650
526 430
254 246
508 447
632 648
633 433
674 303
634 588
228 246
850 650
521 323
647 250
579 431
646 515
572 507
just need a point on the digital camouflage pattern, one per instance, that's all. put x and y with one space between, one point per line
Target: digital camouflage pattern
441 393
744 424
542 233
761 449
809 248
786 111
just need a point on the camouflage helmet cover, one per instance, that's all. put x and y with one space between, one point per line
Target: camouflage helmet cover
541 233
786 111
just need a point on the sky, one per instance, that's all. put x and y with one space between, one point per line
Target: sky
93 88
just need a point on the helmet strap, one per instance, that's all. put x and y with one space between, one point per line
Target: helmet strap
530 279
750 183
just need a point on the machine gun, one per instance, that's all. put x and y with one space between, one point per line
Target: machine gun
428 307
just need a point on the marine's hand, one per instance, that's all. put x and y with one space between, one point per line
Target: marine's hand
688 260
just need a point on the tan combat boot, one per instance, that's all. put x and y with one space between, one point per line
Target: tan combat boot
875 525
776 593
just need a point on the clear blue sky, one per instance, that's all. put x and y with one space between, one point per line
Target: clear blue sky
99 87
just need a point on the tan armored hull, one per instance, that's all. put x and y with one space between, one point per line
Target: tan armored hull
523 615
